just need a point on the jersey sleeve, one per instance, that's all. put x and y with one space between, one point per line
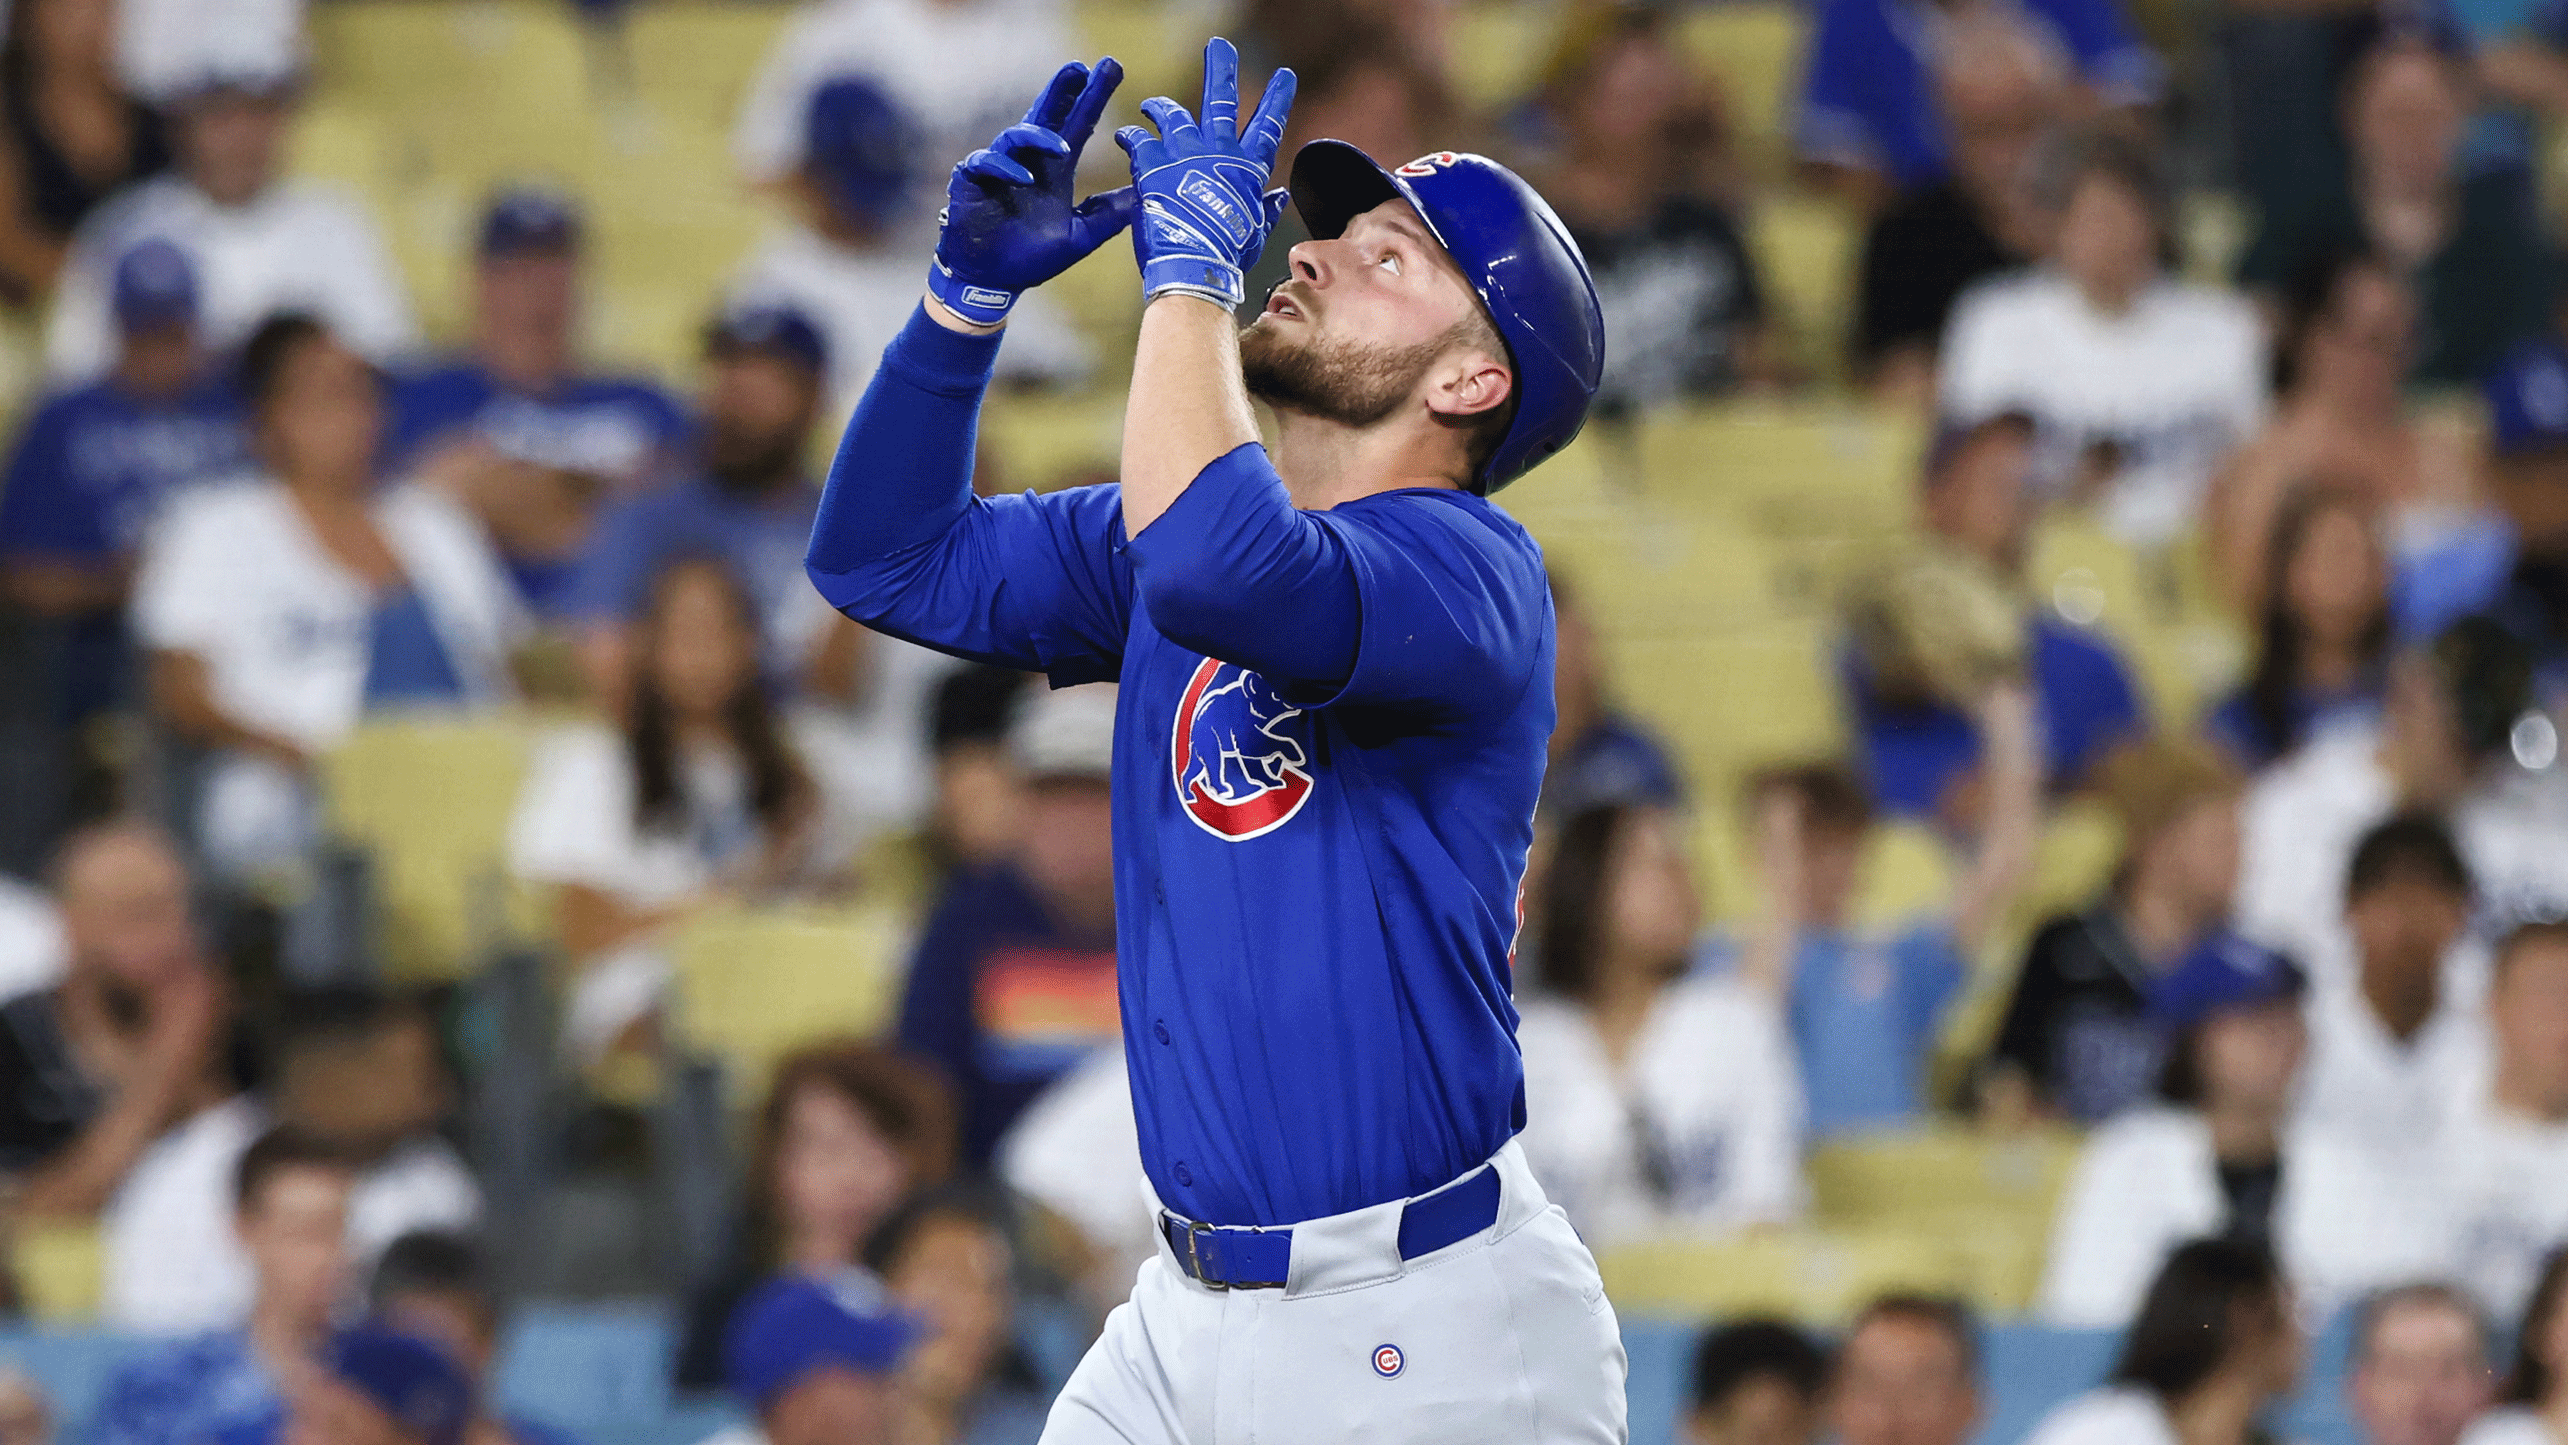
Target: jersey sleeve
902 545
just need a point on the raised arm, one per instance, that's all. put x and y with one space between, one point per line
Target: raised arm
900 542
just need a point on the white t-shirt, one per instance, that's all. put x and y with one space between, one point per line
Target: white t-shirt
2347 1219
879 756
2508 1176
2177 381
32 948
234 574
862 299
963 70
2508 1425
2113 1415
1709 1102
173 1264
1077 1152
298 246
2297 831
2360 1082
575 821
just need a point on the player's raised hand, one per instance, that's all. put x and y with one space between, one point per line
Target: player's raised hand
1205 211
1010 222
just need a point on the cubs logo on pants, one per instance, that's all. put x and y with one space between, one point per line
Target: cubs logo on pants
1505 1335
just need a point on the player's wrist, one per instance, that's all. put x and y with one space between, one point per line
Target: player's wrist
981 309
1219 282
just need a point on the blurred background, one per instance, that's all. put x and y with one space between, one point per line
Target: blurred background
2048 920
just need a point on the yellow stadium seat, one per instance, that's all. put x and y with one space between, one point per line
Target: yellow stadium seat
755 984
1159 57
1806 248
1755 50
461 69
61 1269
1893 1178
693 62
1499 49
1789 469
430 799
1818 1275
1043 441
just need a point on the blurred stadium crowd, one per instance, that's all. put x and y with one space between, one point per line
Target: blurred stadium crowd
2055 861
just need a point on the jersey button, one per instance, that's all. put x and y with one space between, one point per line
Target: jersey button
1159 1031
1185 1176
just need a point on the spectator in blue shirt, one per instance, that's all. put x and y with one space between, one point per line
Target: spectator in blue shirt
2323 643
291 1200
1864 1006
1599 753
750 504
1868 105
1917 747
375 1386
1013 984
435 1285
534 441
94 464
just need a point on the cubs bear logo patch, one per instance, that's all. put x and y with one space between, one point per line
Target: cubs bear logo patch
1240 753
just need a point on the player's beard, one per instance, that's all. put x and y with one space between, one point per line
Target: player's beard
1331 378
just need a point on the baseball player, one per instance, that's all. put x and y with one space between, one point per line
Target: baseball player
1336 666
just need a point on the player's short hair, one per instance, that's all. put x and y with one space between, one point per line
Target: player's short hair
1483 431
2189 1322
1832 796
282 1150
1943 1314
2407 845
1732 1356
2378 1306
436 1262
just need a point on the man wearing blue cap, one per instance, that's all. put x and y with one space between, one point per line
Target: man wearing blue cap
516 427
2514 564
750 503
95 463
262 242
814 1358
842 264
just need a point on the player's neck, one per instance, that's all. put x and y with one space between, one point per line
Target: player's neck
1326 464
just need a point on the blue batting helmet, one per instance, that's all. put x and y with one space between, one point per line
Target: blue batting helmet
1517 256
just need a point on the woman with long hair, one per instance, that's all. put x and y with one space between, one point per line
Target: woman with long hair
2323 631
2214 1345
1656 1099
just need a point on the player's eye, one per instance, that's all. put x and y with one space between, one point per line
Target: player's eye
1392 260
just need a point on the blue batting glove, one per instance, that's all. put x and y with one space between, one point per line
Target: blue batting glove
1204 213
1009 222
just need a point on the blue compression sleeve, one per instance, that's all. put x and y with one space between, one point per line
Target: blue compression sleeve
1232 570
903 473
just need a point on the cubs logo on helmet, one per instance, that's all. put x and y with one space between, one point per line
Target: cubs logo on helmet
1240 754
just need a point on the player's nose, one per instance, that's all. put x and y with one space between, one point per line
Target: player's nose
1313 261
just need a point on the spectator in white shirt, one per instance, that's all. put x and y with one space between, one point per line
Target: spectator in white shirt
277 609
2140 384
963 68
1907 1374
261 243
2534 1407
2506 1151
699 796
846 263
1656 1102
2420 1366
2214 1345
1076 1154
2392 1053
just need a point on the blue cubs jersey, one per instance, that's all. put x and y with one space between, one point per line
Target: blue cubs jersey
1318 851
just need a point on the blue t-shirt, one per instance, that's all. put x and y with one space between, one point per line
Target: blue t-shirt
187 1394
270 1429
2082 694
1006 998
601 425
406 661
2235 727
1870 97
1863 1012
1328 743
760 538
94 465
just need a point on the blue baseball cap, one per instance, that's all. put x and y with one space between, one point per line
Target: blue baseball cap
796 1324
417 1384
772 328
155 286
2223 973
860 145
2528 399
526 219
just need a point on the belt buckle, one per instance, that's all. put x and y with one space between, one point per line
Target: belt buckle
1195 1230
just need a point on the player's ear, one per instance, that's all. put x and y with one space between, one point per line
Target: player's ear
1470 383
